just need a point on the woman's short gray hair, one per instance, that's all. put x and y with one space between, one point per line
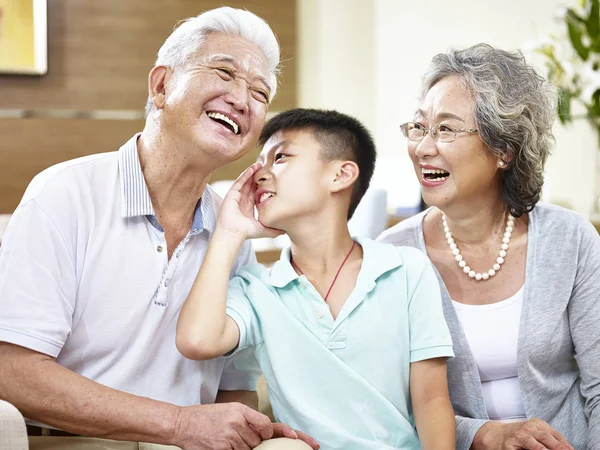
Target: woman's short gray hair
187 38
514 112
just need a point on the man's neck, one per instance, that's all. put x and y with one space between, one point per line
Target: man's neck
175 186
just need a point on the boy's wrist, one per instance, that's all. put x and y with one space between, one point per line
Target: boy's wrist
229 238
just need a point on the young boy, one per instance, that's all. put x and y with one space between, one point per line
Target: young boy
349 333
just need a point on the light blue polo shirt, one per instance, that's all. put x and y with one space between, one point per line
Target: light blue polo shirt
344 381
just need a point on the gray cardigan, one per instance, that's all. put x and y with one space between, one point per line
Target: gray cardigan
558 355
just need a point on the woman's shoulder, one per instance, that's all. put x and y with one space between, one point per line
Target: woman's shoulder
553 221
407 232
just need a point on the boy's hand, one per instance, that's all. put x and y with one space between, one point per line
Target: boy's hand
237 212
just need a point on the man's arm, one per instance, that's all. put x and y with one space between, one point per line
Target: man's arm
45 391
432 409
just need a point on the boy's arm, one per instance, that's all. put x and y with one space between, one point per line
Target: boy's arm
204 331
432 409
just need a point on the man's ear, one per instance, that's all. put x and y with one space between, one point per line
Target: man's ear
157 82
345 175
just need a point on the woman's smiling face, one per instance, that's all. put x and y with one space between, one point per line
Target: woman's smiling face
456 171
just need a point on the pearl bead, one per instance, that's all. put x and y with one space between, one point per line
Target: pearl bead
460 259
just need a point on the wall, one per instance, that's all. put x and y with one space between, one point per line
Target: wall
375 52
100 53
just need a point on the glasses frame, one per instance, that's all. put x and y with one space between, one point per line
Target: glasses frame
434 130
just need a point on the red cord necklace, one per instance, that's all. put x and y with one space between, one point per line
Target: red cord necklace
298 269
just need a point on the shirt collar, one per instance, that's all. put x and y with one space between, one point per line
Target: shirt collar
135 198
378 258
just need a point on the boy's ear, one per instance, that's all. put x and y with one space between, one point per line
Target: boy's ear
157 81
345 175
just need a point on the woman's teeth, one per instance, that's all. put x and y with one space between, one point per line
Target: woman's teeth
435 174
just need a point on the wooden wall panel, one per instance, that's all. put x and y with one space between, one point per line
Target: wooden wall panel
29 146
100 52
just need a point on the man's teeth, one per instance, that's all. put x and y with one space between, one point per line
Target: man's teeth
224 118
265 196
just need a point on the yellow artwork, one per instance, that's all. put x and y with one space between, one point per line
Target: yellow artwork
23 33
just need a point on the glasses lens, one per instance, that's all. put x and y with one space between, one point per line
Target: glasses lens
445 135
414 133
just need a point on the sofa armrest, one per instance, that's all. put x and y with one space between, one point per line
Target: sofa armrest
13 434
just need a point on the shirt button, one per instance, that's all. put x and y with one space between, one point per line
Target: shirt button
159 249
167 282
319 315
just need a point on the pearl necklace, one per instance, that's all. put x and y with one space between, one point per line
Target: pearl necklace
510 221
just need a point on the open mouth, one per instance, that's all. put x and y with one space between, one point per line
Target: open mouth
435 174
264 197
227 122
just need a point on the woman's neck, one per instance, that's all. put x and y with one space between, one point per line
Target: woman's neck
472 225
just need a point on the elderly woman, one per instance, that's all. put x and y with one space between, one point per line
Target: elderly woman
520 280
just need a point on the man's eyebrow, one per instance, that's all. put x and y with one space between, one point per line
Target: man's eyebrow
442 115
221 57
224 58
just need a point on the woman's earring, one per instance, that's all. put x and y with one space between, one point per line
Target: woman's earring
501 163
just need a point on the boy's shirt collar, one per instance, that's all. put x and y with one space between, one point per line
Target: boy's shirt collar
377 259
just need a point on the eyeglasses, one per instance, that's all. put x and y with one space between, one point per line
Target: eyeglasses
442 133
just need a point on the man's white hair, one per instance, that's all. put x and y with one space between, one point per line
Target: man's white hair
187 38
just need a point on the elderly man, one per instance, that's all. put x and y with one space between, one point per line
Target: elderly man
101 252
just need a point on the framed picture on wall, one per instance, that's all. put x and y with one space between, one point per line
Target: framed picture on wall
23 37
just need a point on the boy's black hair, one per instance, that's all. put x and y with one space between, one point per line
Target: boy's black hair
340 136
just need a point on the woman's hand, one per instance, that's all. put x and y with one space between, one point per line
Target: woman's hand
237 212
534 434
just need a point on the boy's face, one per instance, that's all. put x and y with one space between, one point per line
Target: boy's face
294 181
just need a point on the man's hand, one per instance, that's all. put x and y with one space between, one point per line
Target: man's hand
534 434
237 211
228 426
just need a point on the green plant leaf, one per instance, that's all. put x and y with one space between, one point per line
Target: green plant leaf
564 106
575 35
594 110
592 23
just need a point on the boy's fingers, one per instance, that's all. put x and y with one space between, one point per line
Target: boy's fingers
246 175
